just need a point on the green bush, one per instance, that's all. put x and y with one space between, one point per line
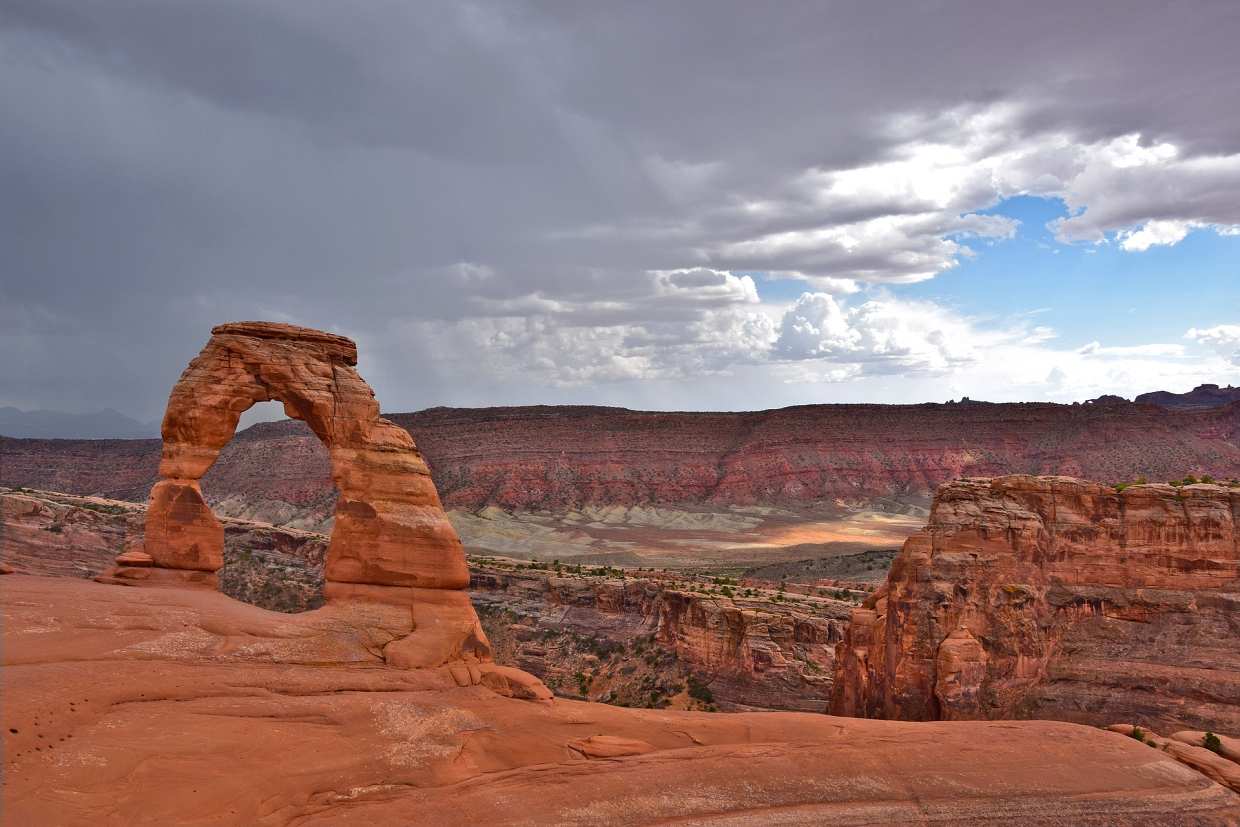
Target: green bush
700 691
1212 743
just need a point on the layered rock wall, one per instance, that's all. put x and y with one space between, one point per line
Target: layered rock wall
561 457
1051 597
749 653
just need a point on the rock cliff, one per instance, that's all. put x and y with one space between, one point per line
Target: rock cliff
1051 597
643 641
567 457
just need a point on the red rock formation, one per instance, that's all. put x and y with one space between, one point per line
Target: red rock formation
1189 749
557 457
751 653
178 706
1056 598
390 529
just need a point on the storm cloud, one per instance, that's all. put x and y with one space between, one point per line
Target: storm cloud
516 202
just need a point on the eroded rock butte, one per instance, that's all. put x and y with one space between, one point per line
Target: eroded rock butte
391 541
1051 597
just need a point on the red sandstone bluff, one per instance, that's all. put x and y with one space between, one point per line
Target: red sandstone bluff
1050 597
392 542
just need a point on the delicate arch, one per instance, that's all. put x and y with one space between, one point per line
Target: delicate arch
390 527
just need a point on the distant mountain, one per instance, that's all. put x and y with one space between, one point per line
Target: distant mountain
105 424
1202 396
557 458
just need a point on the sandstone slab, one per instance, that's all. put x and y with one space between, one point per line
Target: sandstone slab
172 706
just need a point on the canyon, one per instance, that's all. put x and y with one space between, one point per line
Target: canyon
639 638
161 659
180 658
637 489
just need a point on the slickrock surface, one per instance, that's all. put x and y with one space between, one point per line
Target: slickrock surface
1049 597
1189 748
568 457
165 706
390 529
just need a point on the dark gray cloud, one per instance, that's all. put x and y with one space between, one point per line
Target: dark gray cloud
528 201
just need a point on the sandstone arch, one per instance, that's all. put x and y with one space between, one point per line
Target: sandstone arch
391 540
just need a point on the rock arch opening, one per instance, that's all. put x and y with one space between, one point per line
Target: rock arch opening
273 472
391 541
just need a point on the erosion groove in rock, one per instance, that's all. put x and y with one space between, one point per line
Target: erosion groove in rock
1050 597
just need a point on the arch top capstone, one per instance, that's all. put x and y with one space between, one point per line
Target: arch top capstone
334 344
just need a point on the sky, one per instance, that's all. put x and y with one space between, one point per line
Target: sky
688 205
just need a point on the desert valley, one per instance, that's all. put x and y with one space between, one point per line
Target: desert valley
780 616
642 414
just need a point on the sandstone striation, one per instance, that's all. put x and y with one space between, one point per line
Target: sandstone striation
181 706
390 529
66 536
1222 763
564 457
1051 597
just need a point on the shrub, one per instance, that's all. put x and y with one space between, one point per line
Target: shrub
1137 733
700 691
1212 743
